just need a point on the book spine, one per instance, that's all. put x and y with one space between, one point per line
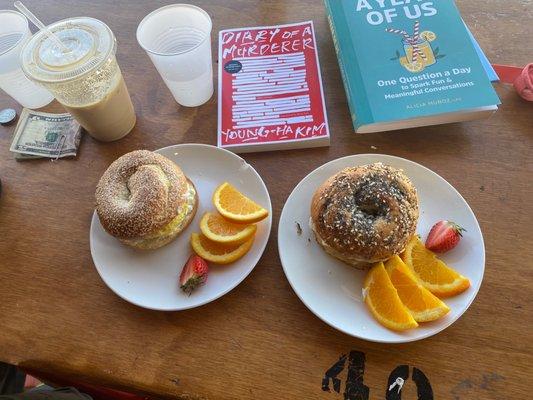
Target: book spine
344 47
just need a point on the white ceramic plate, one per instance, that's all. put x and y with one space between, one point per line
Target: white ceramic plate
332 289
150 278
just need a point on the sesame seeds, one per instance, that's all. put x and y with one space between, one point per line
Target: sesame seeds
139 193
367 212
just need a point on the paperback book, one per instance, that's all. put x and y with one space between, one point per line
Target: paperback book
408 63
270 93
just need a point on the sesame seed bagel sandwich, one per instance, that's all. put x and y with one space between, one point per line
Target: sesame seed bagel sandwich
145 200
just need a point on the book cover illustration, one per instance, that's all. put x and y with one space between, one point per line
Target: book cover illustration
404 59
417 51
270 89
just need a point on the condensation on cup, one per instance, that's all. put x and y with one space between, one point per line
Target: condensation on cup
177 38
86 80
14 34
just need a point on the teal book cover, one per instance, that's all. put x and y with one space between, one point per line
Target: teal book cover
406 59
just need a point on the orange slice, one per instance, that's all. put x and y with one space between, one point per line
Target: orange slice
422 304
218 229
236 207
219 253
383 301
432 272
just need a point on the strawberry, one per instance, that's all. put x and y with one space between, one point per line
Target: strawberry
444 236
193 274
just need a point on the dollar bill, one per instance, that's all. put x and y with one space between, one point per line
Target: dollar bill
40 134
22 156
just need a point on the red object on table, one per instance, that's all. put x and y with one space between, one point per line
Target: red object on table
521 78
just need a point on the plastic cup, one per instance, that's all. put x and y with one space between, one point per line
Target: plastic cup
14 33
177 38
85 79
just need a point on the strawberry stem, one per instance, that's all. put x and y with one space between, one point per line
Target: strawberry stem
458 228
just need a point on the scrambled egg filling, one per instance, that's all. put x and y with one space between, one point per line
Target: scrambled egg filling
180 218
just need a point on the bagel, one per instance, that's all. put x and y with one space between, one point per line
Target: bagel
144 200
366 214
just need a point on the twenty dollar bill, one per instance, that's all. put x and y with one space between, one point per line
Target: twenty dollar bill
42 134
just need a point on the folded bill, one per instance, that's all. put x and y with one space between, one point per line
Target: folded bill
40 134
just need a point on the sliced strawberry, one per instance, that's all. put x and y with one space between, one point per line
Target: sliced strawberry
193 274
444 236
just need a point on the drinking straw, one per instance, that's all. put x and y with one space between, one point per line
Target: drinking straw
412 40
416 30
22 8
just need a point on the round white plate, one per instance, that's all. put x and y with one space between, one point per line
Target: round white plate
332 290
150 278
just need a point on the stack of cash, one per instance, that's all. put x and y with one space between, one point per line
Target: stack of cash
45 135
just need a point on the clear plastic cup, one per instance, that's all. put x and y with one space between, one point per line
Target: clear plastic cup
86 79
177 38
14 34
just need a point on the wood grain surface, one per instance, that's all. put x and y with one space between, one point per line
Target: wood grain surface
259 341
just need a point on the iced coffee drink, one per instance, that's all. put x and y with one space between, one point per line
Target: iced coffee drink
86 79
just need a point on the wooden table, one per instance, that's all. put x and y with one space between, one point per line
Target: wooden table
260 341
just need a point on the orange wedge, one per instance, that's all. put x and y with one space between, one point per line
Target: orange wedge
218 229
432 272
219 253
236 207
383 301
421 303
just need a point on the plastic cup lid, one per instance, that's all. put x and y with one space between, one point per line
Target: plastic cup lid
90 42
